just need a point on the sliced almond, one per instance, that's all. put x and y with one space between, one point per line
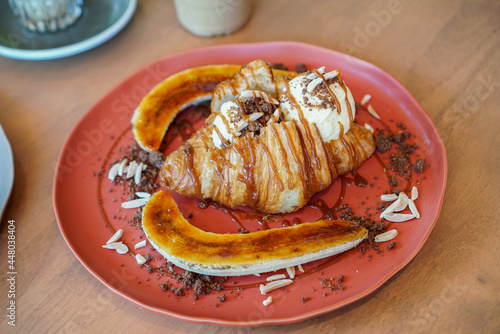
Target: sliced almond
275 277
142 194
331 75
291 272
369 128
140 259
274 285
241 126
311 76
113 171
398 217
403 204
255 116
413 208
140 244
120 247
118 234
300 268
321 70
138 174
268 301
414 193
365 99
135 203
123 164
390 208
372 112
389 197
312 85
132 167
386 236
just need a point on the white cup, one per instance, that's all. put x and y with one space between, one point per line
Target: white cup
208 18
46 15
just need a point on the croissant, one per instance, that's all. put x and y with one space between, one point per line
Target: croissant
258 149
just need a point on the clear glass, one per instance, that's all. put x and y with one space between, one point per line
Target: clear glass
47 15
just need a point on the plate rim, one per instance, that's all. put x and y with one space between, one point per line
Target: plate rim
10 162
282 320
75 48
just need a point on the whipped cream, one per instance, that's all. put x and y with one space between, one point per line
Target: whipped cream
232 119
317 103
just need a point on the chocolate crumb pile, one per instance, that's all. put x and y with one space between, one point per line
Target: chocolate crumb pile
200 284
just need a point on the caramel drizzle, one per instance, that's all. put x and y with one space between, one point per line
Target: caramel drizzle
271 161
302 169
285 161
349 108
189 163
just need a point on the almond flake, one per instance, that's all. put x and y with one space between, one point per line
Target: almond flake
414 193
120 247
365 99
389 197
369 128
390 208
132 167
123 164
255 116
113 171
268 301
138 174
321 70
398 217
274 285
241 126
312 85
275 277
142 194
135 203
413 208
311 76
386 236
331 75
291 272
140 259
300 268
372 112
404 202
118 234
140 244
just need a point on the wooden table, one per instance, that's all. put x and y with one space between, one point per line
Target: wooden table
445 53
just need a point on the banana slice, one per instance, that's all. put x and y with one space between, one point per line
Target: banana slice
241 254
159 107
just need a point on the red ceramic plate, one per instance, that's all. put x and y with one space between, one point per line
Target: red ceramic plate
106 127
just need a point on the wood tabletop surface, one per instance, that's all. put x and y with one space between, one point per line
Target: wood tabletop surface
446 53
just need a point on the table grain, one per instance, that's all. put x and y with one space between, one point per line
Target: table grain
446 53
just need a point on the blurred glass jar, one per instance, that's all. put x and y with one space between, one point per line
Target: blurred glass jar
47 15
208 18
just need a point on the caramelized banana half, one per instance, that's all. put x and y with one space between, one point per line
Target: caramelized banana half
159 107
241 254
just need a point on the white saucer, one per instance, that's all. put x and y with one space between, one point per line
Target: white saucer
6 170
100 21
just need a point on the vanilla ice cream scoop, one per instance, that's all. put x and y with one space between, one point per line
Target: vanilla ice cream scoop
322 99
249 111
